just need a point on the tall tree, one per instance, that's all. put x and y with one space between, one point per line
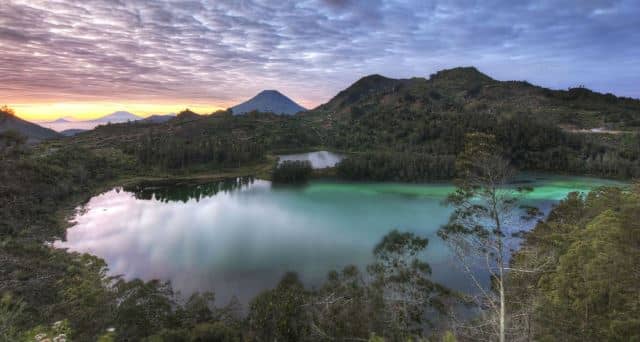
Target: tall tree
484 219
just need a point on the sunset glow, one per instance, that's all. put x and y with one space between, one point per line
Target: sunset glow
89 58
92 110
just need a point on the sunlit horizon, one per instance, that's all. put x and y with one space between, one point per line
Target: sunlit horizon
87 59
92 110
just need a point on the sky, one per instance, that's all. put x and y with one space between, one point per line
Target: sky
88 58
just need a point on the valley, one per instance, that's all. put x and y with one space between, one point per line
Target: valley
189 201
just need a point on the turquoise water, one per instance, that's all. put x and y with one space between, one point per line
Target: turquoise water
237 238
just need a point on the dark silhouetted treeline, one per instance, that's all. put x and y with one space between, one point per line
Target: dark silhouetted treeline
292 172
157 150
529 143
173 191
400 167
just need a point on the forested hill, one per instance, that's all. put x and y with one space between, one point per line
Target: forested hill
427 119
32 132
467 90
411 129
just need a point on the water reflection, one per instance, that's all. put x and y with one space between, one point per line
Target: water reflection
238 237
186 191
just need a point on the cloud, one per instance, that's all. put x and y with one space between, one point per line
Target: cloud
223 51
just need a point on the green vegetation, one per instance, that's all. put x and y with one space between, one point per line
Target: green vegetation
396 166
585 259
292 171
577 275
484 221
30 131
432 116
395 302
184 191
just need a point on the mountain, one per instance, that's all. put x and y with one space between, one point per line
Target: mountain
72 131
58 121
414 128
117 117
33 132
158 118
188 115
467 91
268 101
70 123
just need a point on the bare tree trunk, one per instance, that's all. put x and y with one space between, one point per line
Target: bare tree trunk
502 308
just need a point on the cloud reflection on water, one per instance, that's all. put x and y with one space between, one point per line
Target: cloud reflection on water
240 240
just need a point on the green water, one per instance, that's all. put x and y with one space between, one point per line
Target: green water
238 237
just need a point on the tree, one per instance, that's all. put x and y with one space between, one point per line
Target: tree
404 281
7 110
589 290
484 219
279 314
292 171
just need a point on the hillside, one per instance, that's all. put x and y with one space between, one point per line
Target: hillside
467 90
268 101
33 132
158 118
425 119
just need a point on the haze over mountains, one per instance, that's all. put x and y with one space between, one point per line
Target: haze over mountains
69 124
377 103
268 101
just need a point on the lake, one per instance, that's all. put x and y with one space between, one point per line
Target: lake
237 237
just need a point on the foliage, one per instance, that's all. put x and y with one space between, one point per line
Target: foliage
583 261
396 166
11 143
11 313
185 191
530 123
216 141
32 185
58 331
587 254
292 171
405 284
346 306
179 153
482 224
278 314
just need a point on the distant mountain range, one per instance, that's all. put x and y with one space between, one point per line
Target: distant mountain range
117 117
71 126
376 104
268 101
33 132
72 131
